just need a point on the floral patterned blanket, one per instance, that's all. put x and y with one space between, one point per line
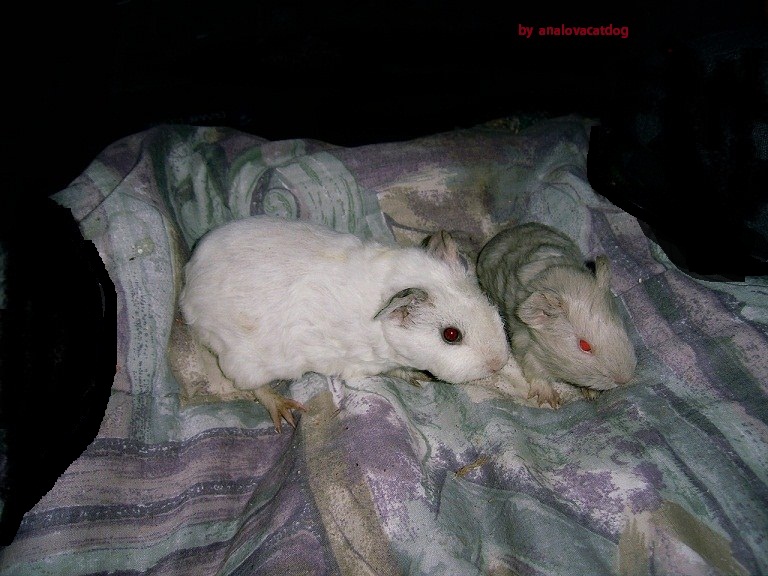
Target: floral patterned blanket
667 475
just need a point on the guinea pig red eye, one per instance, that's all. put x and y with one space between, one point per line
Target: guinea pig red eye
452 335
585 346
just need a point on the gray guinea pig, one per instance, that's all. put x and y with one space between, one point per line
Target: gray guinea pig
561 318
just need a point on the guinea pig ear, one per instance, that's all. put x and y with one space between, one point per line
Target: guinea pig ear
540 307
442 246
402 305
603 272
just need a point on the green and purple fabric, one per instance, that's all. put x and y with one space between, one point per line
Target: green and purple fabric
668 475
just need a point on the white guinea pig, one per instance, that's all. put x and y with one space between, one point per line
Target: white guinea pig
562 319
276 298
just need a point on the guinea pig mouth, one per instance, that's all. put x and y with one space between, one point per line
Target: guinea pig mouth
620 379
613 381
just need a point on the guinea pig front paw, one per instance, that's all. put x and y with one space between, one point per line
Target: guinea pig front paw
590 394
544 393
411 375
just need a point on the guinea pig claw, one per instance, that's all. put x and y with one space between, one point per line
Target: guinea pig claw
545 394
282 411
590 394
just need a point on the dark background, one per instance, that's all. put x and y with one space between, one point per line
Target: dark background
683 141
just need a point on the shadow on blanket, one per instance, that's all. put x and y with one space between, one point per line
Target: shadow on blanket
57 335
665 475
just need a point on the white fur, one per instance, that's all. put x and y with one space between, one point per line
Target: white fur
275 298
550 301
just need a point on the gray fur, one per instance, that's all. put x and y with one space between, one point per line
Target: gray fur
550 300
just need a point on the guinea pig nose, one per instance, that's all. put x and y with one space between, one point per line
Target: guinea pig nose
498 363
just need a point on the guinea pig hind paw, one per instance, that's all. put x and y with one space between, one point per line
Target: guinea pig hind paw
279 407
281 410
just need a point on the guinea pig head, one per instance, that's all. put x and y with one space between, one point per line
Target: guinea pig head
455 337
576 331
